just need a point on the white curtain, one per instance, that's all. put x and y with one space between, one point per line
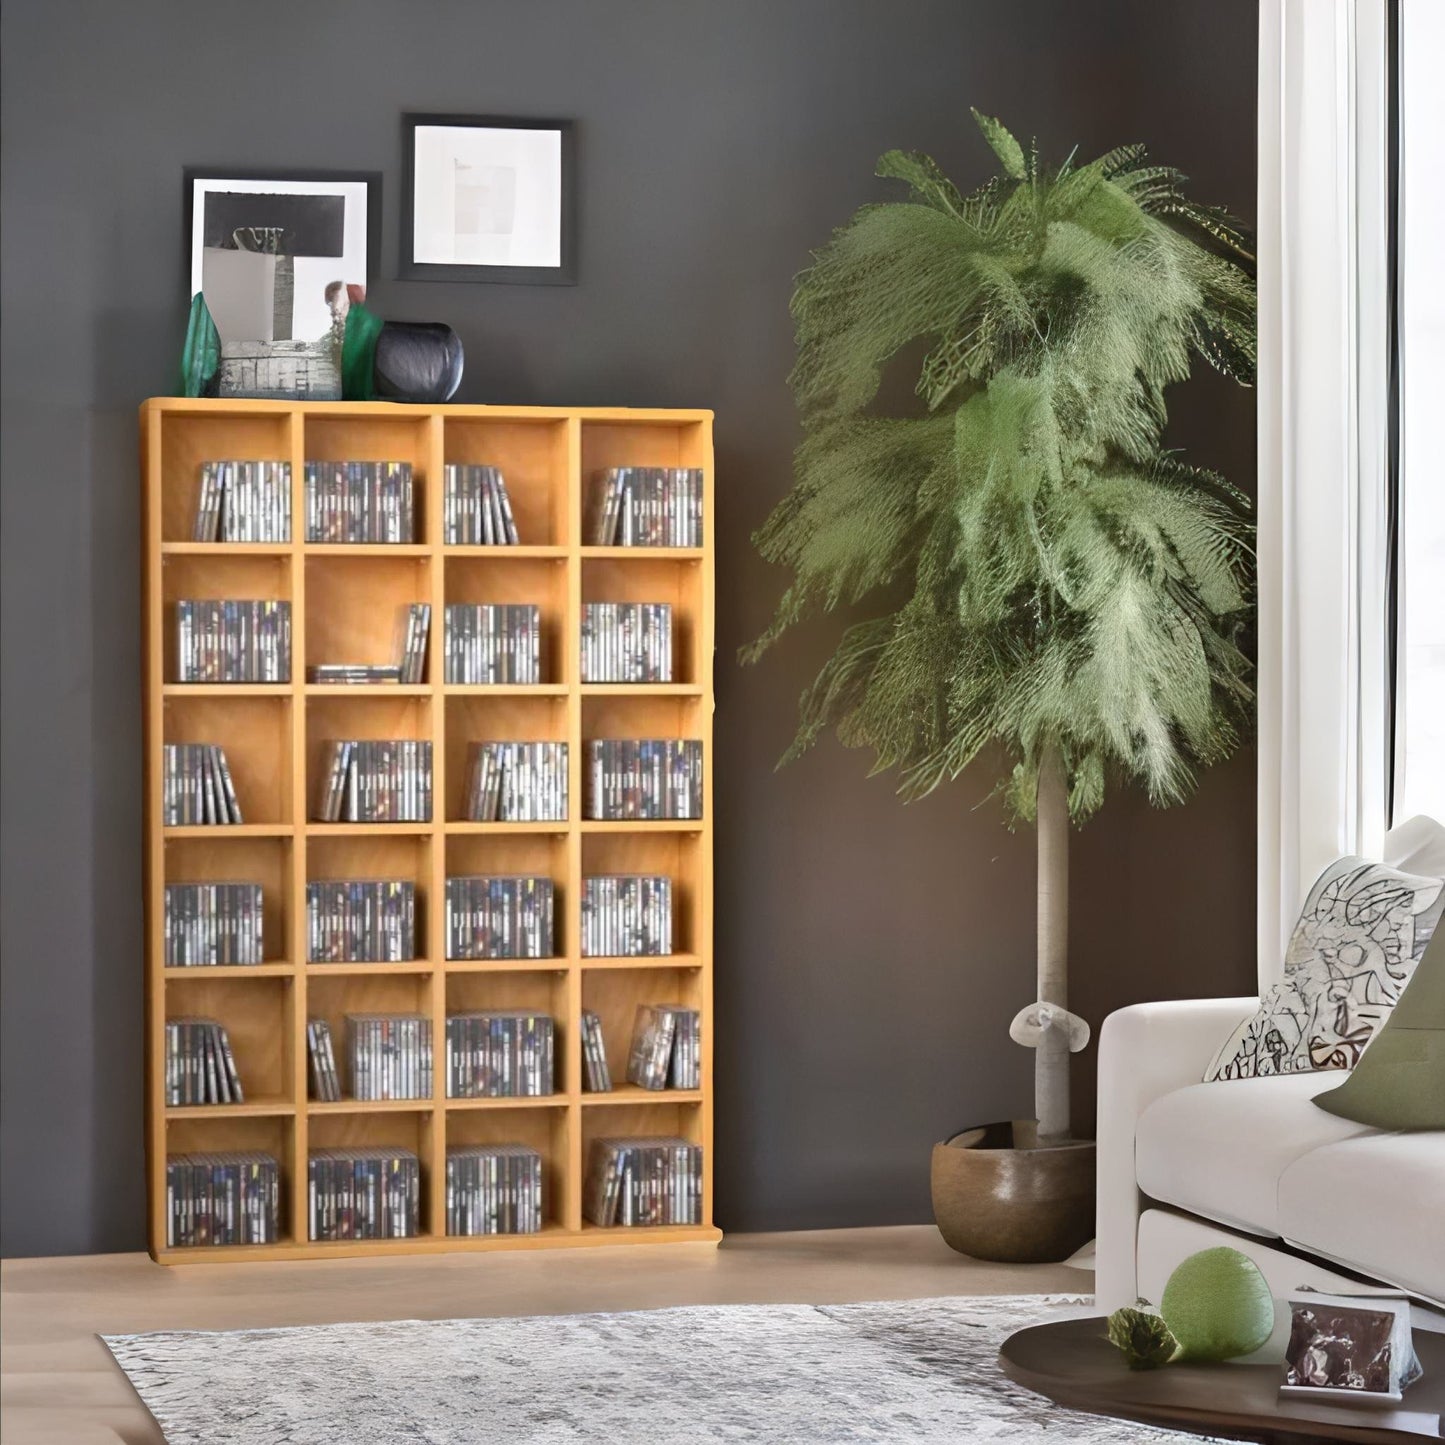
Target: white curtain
1323 682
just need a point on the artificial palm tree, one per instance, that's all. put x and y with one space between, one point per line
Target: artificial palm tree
1046 577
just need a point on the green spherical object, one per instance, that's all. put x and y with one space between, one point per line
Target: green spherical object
1217 1305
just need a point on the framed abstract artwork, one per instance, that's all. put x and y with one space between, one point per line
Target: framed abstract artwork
488 198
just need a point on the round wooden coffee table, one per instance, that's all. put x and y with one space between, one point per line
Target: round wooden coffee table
1072 1363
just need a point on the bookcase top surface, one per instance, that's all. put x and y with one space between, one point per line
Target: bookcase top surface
239 406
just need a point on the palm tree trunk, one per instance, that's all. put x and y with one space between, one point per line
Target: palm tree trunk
1051 1059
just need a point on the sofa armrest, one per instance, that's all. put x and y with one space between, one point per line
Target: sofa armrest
1145 1052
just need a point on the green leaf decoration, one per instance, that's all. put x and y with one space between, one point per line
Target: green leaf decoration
201 355
1030 567
1143 1339
1005 147
358 353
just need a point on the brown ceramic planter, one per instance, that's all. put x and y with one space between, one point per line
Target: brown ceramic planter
997 1195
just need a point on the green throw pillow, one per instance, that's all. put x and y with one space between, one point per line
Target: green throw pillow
1399 1082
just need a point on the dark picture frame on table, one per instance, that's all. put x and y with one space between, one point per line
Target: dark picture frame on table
298 206
489 198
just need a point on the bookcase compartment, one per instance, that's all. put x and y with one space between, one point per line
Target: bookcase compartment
498 578
256 1014
255 735
539 1124
190 439
353 713
628 443
339 435
334 991
650 578
217 858
473 717
353 604
413 1127
369 851
224 577
530 989
614 995
671 854
492 855
532 456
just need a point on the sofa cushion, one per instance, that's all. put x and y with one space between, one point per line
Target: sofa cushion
1219 1149
1375 1203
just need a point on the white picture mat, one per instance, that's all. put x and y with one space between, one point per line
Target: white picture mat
486 196
311 315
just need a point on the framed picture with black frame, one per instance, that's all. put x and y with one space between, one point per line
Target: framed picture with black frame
312 228
489 198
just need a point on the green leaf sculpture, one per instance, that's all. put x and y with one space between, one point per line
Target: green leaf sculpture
358 353
1142 1338
1047 582
201 357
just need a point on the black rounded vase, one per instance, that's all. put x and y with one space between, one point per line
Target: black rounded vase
417 361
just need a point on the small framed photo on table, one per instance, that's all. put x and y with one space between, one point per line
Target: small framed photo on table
1349 1347
489 199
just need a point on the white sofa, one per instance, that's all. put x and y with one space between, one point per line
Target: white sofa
1182 1165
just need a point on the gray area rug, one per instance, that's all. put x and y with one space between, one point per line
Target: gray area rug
896 1373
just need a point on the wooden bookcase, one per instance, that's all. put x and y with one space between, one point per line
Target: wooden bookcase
344 600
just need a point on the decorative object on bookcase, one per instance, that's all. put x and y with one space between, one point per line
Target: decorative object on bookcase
413 627
665 1048
493 1189
363 1193
200 1068
477 511
643 778
643 1182
516 782
197 787
487 198
499 917
596 1076
233 641
242 501
493 643
627 642
201 354
321 1056
417 361
499 1054
361 920
381 781
626 916
213 924
389 1056
1078 591
359 502
646 507
222 1198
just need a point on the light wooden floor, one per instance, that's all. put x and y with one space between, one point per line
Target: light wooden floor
59 1385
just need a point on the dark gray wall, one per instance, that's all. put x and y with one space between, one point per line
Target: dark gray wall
868 956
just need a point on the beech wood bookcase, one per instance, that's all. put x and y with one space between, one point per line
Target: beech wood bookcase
344 601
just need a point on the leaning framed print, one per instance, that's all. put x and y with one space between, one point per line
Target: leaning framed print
277 252
487 198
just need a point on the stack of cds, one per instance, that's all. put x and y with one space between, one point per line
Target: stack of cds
644 1182
361 920
644 778
666 1048
325 1083
359 502
647 507
200 1068
516 782
413 623
596 1077
244 502
196 786
389 1056
212 924
499 1054
493 643
225 1198
499 917
477 512
626 916
233 641
384 781
627 642
493 1189
359 1193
